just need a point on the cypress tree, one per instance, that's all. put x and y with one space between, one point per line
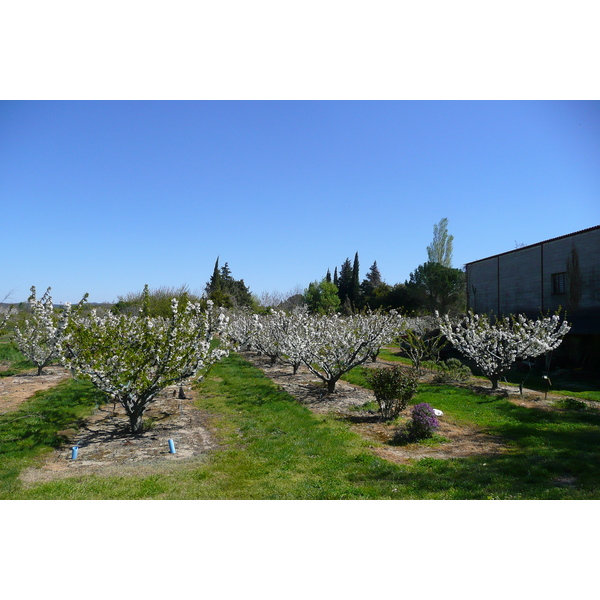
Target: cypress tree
214 285
355 284
345 281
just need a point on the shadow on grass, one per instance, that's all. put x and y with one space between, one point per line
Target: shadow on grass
35 427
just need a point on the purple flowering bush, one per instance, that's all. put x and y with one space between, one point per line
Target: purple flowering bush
423 422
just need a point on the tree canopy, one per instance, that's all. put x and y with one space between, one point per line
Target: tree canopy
436 287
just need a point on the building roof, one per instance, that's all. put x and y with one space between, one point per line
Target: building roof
560 237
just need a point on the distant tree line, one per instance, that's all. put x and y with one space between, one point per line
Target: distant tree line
433 285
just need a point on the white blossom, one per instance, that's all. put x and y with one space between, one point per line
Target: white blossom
39 337
496 346
133 357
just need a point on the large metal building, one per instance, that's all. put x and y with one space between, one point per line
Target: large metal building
560 272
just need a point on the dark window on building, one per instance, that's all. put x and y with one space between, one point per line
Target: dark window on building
559 283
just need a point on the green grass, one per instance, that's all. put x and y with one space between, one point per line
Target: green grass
567 383
14 360
30 432
271 447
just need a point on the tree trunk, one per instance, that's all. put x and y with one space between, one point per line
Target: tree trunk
494 379
135 411
331 385
136 423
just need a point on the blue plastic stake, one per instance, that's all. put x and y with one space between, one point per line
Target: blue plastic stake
74 451
171 446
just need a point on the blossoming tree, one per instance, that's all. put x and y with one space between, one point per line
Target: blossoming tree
38 338
495 346
134 357
333 345
4 317
280 335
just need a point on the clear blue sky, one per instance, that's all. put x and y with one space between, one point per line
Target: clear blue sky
104 197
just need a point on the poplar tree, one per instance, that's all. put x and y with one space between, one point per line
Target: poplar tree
440 250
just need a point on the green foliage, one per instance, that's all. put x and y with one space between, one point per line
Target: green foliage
435 287
394 388
421 343
452 370
345 282
371 281
440 250
157 301
322 297
571 404
226 291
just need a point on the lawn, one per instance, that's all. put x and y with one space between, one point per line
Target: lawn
271 447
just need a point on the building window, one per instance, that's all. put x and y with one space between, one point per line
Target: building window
559 283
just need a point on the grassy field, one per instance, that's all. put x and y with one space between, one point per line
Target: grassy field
14 361
573 384
271 447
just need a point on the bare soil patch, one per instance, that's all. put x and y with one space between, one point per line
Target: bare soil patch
15 389
104 445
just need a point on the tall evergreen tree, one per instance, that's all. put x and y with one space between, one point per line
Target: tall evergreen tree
214 285
372 281
355 285
226 275
345 281
328 276
373 277
226 291
336 279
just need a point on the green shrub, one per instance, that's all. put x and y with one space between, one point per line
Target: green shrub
452 370
393 389
572 404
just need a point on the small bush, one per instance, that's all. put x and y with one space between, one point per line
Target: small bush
393 389
572 404
452 370
423 422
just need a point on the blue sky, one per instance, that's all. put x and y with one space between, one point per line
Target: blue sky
103 197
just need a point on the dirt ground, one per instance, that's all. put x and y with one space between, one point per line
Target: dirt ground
105 448
16 389
103 445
